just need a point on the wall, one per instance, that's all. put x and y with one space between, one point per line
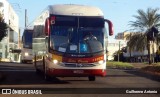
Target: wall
113 46
12 20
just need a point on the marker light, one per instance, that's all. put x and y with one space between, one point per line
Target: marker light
26 54
101 62
55 61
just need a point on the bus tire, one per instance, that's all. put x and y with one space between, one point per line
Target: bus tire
38 71
92 78
22 61
46 76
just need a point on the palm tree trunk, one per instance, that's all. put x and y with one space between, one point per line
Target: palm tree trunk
130 54
153 54
149 52
130 49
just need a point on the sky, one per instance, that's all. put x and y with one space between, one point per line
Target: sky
120 12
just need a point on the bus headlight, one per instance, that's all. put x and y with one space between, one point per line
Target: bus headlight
101 62
26 54
55 61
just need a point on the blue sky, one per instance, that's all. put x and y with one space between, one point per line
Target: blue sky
120 12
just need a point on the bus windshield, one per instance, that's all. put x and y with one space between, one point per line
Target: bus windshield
27 39
77 40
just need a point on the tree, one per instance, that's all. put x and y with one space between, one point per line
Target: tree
144 22
3 28
121 56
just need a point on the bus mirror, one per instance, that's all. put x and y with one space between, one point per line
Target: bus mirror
70 30
46 40
47 27
106 51
10 50
110 27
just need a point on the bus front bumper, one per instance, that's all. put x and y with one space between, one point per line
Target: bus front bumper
76 72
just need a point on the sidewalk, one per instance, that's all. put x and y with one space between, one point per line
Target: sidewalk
139 65
148 69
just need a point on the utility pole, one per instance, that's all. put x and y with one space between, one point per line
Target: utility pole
19 39
25 18
149 52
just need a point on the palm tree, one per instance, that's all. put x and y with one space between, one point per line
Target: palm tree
141 26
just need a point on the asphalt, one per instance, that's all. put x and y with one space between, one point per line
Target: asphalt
1 76
136 66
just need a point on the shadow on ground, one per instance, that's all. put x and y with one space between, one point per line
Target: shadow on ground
140 73
27 78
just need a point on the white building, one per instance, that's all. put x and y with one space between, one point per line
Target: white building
135 55
11 41
114 46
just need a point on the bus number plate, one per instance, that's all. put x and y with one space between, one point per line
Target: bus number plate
78 71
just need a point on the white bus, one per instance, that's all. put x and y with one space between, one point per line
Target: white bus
73 41
26 51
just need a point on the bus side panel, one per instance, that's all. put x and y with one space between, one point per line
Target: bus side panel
39 50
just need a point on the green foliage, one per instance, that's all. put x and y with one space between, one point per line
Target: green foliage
119 65
138 40
3 28
144 21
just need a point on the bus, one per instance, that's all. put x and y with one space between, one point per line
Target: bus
26 50
71 41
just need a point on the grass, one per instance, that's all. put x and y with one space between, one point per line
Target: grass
119 65
154 68
156 64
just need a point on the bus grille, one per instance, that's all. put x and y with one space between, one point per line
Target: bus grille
80 65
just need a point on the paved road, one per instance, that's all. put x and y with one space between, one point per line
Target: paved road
23 76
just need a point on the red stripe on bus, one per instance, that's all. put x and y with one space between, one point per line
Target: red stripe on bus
83 60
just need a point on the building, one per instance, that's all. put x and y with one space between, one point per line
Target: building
11 41
122 36
141 56
114 46
136 56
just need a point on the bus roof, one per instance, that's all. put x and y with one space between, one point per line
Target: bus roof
74 10
28 30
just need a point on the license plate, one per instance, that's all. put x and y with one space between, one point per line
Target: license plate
78 71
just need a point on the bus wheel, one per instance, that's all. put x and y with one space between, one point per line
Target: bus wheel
92 78
38 71
35 65
46 76
22 61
